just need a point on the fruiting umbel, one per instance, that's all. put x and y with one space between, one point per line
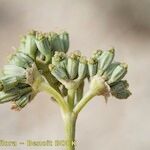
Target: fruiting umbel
42 56
100 69
29 64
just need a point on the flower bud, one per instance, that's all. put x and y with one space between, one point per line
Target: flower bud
72 64
26 58
44 47
108 72
22 89
9 82
92 67
21 102
6 97
58 72
21 60
56 42
65 39
13 94
15 60
105 60
30 47
82 69
119 72
59 59
14 70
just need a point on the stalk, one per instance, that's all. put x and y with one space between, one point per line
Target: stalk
71 96
51 91
83 102
70 125
68 115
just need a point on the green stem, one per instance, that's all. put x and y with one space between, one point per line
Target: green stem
83 102
71 96
70 124
47 88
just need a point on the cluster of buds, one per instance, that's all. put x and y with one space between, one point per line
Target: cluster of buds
15 81
19 79
44 45
42 56
105 75
102 68
70 70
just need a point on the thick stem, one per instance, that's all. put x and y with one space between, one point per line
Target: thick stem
70 124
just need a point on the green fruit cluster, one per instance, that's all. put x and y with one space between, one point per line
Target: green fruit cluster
34 53
44 55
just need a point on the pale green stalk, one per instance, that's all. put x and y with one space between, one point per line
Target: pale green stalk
70 126
68 115
71 96
47 88
88 96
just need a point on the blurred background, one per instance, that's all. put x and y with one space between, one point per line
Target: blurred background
92 24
